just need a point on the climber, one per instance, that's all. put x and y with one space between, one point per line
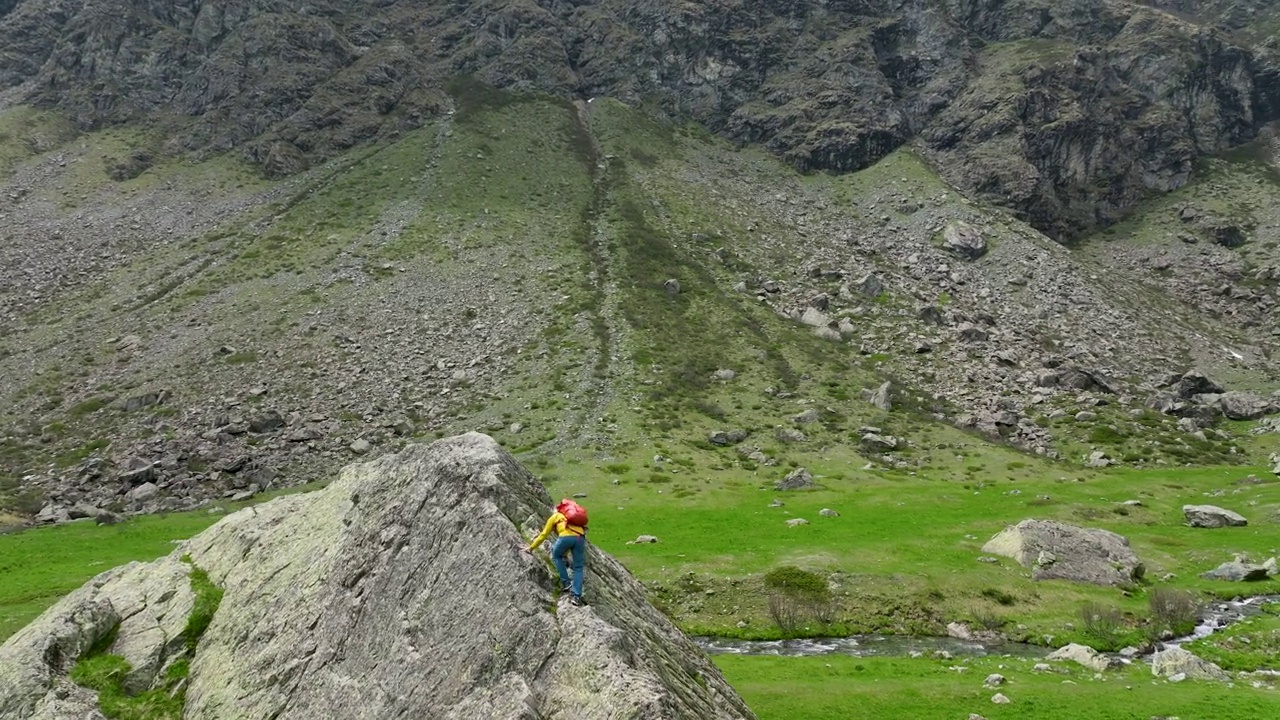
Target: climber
570 523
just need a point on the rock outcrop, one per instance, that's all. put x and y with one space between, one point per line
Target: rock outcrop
1067 111
1212 516
1055 550
1173 660
1082 654
398 591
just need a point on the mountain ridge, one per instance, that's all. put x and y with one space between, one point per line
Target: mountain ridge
1137 93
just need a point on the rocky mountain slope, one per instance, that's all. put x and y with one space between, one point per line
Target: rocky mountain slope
577 276
342 603
584 275
1068 112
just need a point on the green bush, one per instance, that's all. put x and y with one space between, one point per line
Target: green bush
791 579
1176 611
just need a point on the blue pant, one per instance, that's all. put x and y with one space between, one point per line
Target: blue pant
578 546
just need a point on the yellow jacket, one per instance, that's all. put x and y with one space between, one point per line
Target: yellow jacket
562 527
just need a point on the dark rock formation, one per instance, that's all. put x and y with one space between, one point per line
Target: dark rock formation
1068 111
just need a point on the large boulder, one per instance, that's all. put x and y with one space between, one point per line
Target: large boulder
1245 406
399 591
964 240
1083 655
1237 571
798 479
1173 660
1212 516
1054 550
1194 382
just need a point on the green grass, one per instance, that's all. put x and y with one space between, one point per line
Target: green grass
106 673
40 565
1248 645
905 548
821 688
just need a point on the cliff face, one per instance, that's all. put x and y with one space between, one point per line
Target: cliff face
1072 110
398 591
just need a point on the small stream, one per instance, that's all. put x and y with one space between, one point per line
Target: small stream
1216 616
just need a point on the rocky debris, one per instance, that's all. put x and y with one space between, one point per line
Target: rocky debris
1192 383
1212 516
367 550
1055 550
869 285
962 631
1083 655
789 435
267 422
882 398
807 417
798 479
727 437
964 240
1237 571
146 400
797 522
972 333
814 317
755 455
143 492
930 314
1173 660
877 443
1246 406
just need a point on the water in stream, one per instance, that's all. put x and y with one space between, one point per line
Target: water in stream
1216 616
866 646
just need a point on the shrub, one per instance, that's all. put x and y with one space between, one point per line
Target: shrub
1175 610
799 598
792 579
1101 623
999 596
986 618
1104 435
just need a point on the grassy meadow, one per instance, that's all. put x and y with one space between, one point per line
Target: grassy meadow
902 557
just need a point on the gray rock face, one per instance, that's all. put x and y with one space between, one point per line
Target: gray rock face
1236 571
882 398
797 479
352 602
1193 383
964 240
1083 655
1176 661
1212 516
727 437
1132 96
874 442
1245 406
1055 550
